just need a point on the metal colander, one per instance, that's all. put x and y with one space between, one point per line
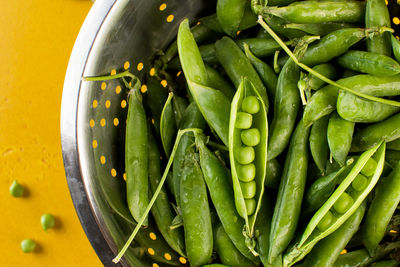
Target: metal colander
116 35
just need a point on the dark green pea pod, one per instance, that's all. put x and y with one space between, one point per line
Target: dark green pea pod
279 2
266 73
162 210
329 249
156 97
312 234
227 252
260 47
320 29
259 121
278 25
339 136
263 34
230 14
327 70
291 189
217 81
219 185
195 211
396 47
319 143
274 172
361 258
392 157
179 104
215 265
381 209
394 145
208 54
136 156
237 65
168 127
320 12
387 263
368 62
377 15
356 109
387 130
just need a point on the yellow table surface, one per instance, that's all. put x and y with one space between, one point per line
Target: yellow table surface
36 40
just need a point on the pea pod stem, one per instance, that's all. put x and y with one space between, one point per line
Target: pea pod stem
317 74
196 131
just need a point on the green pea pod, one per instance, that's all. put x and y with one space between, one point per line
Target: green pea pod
377 15
319 143
396 47
156 97
314 231
387 130
260 47
279 2
215 265
237 65
381 209
356 109
266 73
329 249
368 62
168 127
195 212
325 69
136 156
274 172
320 29
227 252
291 189
230 14
278 25
218 179
361 258
208 54
394 145
162 211
259 121
218 81
387 263
179 104
192 118
339 136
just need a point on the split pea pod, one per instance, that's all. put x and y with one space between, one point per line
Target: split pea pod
339 136
195 211
368 62
381 209
248 135
230 14
343 202
162 210
291 189
219 185
329 249
136 155
319 143
377 15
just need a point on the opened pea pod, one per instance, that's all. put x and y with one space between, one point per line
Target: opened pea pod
248 135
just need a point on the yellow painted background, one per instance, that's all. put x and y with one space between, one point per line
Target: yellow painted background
36 39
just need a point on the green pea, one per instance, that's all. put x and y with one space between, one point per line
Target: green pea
343 203
243 120
325 222
248 189
47 221
246 173
250 137
359 183
245 155
28 245
16 190
251 104
250 205
369 167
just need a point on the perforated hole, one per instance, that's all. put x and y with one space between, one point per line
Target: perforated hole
127 65
164 83
167 256
113 72
152 236
103 160
143 89
115 121
95 103
170 18
118 89
140 66
152 71
91 123
103 86
103 122
108 104
182 260
163 6
94 144
396 20
151 251
113 172
123 103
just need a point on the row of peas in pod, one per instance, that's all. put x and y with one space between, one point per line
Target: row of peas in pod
278 125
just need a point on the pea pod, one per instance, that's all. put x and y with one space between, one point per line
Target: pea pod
196 75
227 252
237 65
136 156
387 263
218 179
288 205
377 15
320 29
387 130
395 145
329 249
339 136
230 14
368 62
179 104
339 207
381 210
396 47
320 12
274 172
162 210
195 211
325 69
278 25
243 167
217 81
208 54
319 143
168 127
157 96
